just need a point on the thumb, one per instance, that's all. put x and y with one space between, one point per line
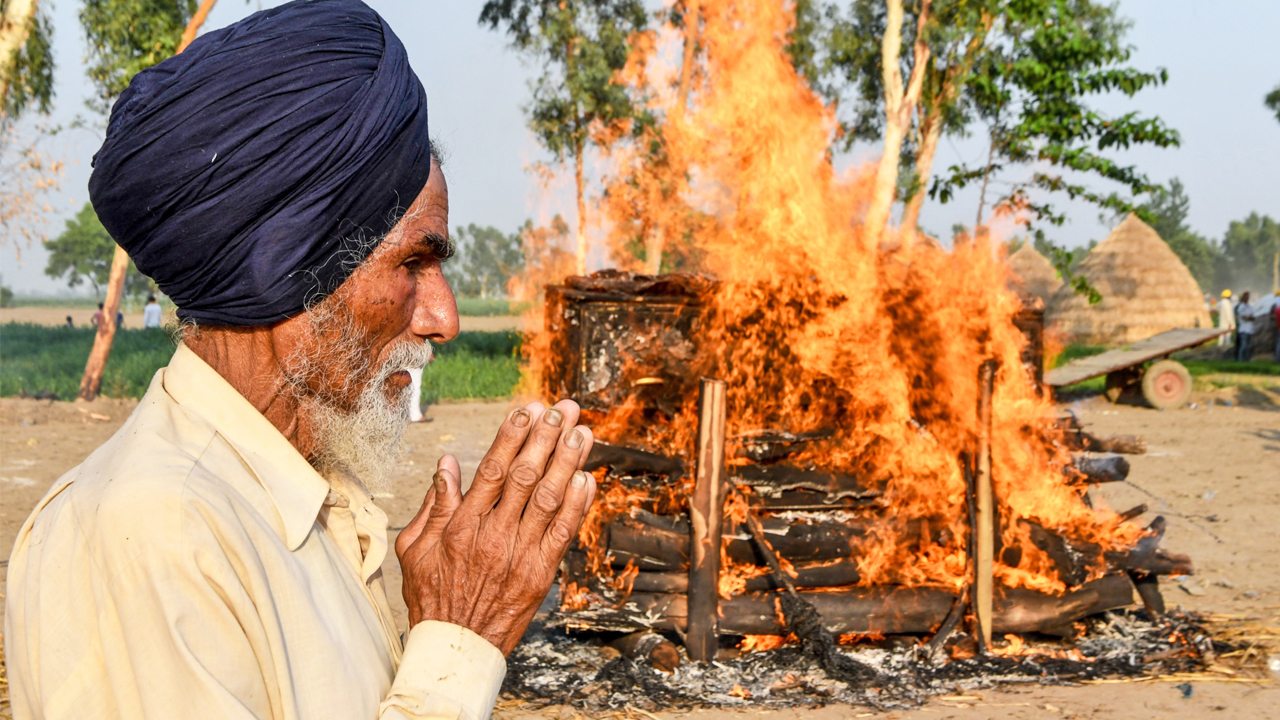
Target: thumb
409 533
448 496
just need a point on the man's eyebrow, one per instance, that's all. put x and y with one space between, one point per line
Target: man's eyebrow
440 246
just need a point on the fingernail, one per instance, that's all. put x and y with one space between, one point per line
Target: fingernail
520 418
574 440
553 417
579 479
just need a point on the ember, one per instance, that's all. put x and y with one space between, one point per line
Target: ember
873 458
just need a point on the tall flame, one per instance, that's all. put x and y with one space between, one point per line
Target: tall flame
815 325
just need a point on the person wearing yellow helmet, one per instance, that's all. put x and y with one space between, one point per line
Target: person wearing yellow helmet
1226 318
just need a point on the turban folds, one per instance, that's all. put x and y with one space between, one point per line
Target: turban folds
251 174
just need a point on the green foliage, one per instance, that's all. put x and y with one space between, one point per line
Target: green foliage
30 72
6 296
36 359
485 259
489 307
1272 101
579 47
1065 260
82 253
1032 89
128 36
1249 251
1166 212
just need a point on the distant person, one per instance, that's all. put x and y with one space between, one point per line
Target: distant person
96 320
70 323
1246 327
415 404
1275 320
1226 318
119 319
151 313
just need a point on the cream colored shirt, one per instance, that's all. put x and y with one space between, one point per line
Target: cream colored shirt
196 565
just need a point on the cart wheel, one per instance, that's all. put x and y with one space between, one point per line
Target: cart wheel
1166 385
1119 382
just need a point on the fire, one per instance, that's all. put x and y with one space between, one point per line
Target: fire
817 326
762 643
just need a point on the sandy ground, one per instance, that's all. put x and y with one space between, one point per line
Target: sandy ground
1213 470
57 316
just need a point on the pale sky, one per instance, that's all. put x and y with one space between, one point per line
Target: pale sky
1222 59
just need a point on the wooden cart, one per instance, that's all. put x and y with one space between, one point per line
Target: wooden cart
1164 383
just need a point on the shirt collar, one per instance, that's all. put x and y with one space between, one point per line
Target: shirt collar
295 487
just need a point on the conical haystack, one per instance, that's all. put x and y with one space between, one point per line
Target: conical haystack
1034 277
1145 290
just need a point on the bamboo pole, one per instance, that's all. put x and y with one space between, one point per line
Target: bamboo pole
985 531
91 381
706 514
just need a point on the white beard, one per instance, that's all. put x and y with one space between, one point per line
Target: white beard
367 442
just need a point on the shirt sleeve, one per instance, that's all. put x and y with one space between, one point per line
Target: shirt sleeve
448 673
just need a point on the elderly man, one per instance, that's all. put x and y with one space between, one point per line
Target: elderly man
220 555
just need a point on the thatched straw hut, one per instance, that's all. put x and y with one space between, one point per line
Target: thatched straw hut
1034 277
1145 290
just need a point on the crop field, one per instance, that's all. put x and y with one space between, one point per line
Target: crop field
47 362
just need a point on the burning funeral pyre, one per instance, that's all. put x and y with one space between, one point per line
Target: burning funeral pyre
824 438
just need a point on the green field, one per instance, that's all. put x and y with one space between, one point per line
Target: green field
48 362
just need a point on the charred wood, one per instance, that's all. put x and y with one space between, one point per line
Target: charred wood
627 460
1080 439
835 573
656 548
770 446
773 480
1019 610
1099 468
649 647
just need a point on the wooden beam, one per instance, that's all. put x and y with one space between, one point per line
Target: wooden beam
984 502
706 515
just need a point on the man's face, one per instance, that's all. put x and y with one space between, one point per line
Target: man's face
397 296
346 360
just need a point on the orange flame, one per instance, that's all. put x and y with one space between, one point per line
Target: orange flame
817 326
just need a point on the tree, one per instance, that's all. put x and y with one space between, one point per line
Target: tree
1166 212
1272 100
83 253
1251 254
114 52
486 260
128 36
1023 68
580 47
26 83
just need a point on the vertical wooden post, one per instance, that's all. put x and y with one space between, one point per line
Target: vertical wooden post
706 514
984 525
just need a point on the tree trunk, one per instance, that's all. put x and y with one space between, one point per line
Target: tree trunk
15 26
899 104
655 241
582 208
931 133
91 381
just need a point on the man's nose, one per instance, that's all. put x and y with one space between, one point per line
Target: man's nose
435 317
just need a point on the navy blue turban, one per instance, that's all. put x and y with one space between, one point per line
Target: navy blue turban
250 175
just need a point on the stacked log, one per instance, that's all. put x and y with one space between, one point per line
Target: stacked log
815 521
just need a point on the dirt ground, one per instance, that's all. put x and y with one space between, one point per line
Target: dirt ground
1212 469
57 316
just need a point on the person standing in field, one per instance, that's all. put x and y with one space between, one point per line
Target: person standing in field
96 320
1246 327
1226 318
151 313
